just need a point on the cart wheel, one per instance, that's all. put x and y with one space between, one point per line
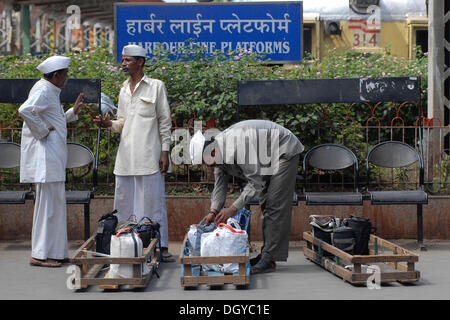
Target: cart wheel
216 287
242 286
188 288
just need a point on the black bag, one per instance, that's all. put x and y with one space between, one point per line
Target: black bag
147 230
105 229
322 227
362 229
343 238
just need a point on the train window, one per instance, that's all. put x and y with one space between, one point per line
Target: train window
422 40
307 41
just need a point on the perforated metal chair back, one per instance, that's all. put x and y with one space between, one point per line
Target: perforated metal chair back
9 155
331 157
78 155
10 159
393 154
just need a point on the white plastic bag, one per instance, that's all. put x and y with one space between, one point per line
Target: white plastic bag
224 241
125 245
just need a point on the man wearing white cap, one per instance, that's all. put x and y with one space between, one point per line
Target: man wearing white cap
43 160
266 155
143 121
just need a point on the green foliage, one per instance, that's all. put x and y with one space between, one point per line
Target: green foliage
99 63
205 87
443 181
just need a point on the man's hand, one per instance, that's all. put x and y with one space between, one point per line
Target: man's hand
225 214
49 130
208 218
103 121
164 161
78 103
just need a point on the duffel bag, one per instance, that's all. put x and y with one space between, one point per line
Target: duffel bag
362 228
322 227
343 238
147 230
105 229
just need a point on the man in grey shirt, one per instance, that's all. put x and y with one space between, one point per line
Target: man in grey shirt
266 155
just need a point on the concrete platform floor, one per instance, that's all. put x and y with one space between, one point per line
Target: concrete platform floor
296 279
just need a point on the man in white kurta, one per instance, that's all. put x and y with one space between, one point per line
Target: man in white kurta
143 120
43 160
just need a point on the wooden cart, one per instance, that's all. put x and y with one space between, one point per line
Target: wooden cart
91 267
394 263
192 274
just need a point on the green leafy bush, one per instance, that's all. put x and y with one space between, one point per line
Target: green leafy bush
204 87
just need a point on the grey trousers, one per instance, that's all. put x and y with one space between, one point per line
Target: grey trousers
276 207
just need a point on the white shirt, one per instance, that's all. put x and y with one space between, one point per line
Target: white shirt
44 152
143 120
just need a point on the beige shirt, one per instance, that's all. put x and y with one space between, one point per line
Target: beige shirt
143 120
246 136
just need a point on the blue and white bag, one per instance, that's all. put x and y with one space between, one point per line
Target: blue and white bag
227 240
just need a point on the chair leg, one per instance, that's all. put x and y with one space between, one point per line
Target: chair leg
420 227
87 221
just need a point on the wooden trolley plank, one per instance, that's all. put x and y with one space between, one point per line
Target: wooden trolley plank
397 266
191 277
91 267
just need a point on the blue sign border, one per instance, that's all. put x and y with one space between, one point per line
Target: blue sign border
215 26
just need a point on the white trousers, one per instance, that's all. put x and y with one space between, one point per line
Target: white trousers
142 196
49 233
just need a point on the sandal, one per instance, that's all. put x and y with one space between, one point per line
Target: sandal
49 263
263 266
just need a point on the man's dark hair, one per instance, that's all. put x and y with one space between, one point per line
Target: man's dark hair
49 75
137 59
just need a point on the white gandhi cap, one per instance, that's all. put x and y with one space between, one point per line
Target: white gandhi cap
196 147
53 64
133 50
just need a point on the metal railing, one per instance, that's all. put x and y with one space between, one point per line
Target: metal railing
395 123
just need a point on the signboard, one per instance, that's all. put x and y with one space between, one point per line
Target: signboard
274 29
346 90
366 32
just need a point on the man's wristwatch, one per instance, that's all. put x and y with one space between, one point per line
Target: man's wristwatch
214 213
